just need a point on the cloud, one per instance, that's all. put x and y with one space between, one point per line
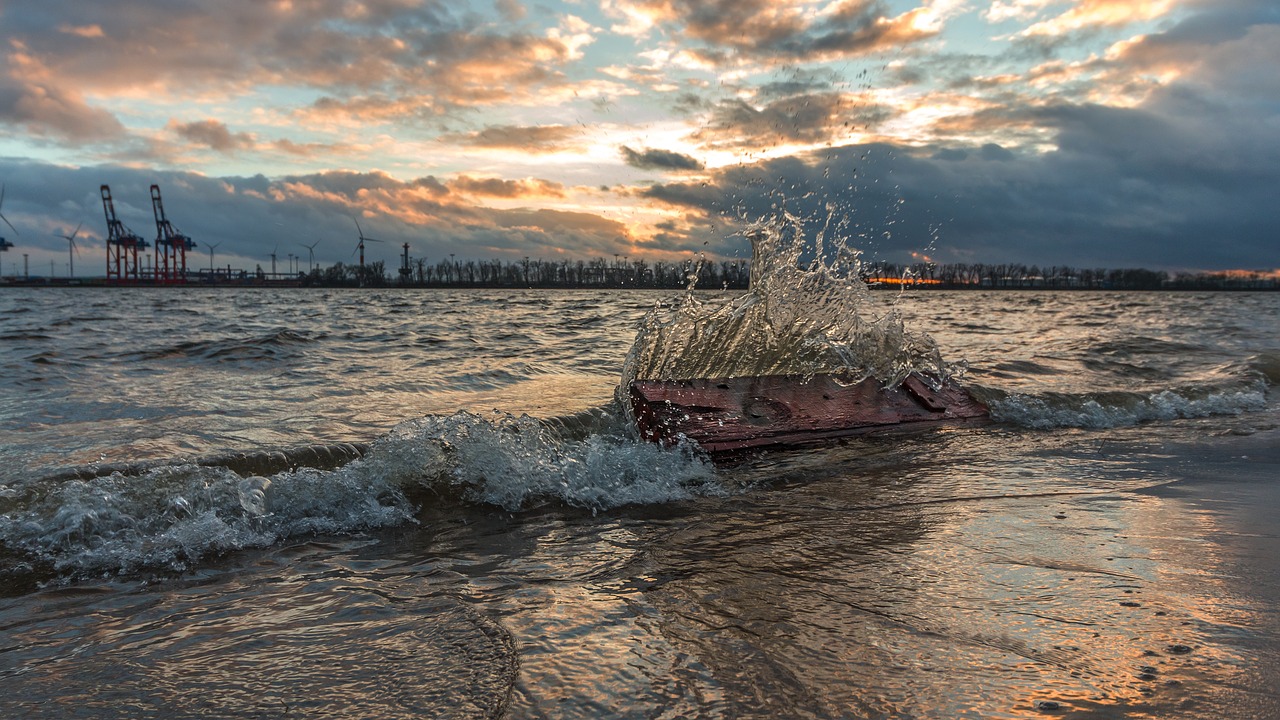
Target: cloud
309 150
86 31
650 159
432 49
1100 13
1180 179
805 119
30 98
251 215
1122 189
773 32
1079 140
212 134
497 187
535 138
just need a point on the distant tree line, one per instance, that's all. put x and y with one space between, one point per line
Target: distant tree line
537 273
639 273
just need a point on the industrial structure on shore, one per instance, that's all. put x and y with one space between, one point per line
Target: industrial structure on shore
130 263
170 264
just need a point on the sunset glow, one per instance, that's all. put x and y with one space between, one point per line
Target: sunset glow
1093 131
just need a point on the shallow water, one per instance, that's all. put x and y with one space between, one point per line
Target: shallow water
1103 550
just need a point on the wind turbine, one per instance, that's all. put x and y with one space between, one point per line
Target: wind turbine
71 246
5 244
311 249
363 240
212 246
273 260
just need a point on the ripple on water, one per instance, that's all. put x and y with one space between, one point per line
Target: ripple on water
304 642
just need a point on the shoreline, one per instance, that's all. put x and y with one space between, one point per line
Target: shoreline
875 287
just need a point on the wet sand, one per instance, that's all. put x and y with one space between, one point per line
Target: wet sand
1221 542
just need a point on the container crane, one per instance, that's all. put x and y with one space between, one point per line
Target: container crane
5 244
171 245
123 244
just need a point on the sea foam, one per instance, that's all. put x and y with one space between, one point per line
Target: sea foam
169 517
1117 409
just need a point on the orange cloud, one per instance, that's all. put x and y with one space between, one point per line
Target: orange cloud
497 187
213 134
771 31
535 138
1100 13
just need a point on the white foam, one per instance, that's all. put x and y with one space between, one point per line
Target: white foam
1108 410
169 517
511 462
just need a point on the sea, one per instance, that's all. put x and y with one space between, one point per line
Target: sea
430 503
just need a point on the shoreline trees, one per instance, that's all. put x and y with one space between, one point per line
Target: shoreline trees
735 274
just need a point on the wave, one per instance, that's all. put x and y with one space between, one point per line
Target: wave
269 346
166 518
1266 365
1100 410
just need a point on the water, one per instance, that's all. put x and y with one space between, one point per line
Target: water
505 547
806 312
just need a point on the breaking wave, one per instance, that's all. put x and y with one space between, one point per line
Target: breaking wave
168 517
1117 409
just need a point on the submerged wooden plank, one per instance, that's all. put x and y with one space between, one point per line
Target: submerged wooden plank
730 414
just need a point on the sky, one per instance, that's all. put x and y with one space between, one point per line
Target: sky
1088 133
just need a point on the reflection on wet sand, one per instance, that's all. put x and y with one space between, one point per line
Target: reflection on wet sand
1089 605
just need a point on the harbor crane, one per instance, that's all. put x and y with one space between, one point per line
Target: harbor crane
171 245
123 244
5 244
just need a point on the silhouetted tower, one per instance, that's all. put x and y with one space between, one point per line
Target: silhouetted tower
404 266
122 244
171 245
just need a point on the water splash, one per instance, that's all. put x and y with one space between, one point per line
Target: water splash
808 311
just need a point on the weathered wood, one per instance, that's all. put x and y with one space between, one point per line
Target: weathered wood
724 415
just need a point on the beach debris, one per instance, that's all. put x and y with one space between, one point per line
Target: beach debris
740 413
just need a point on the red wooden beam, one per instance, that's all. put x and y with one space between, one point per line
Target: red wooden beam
724 415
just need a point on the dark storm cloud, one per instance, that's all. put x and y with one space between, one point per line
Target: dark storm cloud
651 159
802 119
1185 179
1085 204
249 216
1176 184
